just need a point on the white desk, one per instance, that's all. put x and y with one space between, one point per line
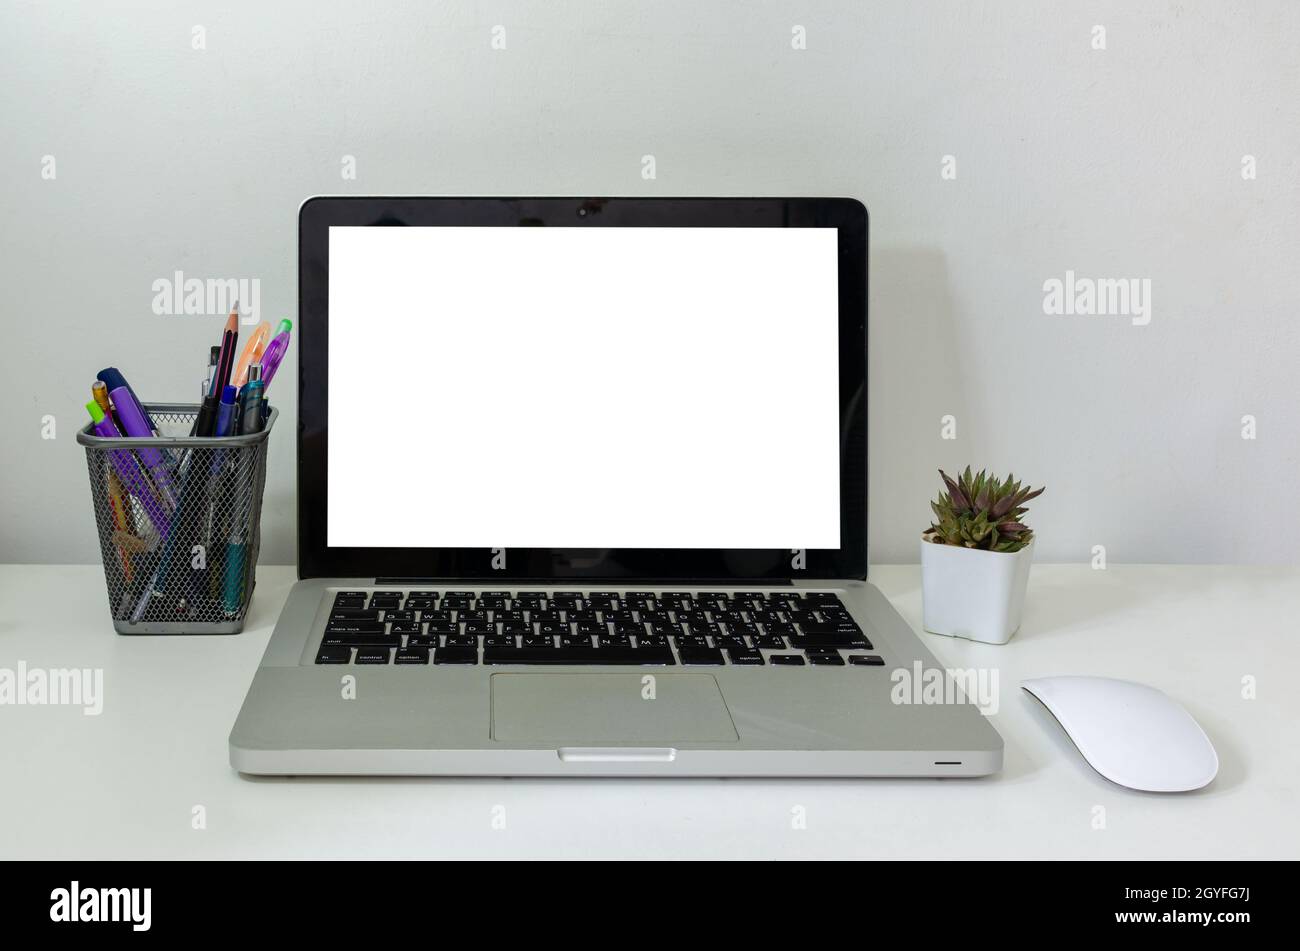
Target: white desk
124 784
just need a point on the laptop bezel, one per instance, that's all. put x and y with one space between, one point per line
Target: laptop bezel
317 559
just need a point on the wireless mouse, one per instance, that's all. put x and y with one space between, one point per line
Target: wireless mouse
1132 734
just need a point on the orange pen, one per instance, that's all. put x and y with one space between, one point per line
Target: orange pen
252 353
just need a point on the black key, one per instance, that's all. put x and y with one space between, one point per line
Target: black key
372 655
469 595
354 627
456 655
744 657
575 640
553 627
618 617
499 640
787 660
413 655
700 656
690 640
511 615
423 604
626 628
350 594
334 655
822 597
825 659
730 643
480 627
769 642
354 614
424 594
866 660
613 640
544 616
493 602
848 638
462 640
516 627
444 627
422 640
581 656
539 641
361 640
651 640
528 602
399 615
405 627
591 627
468 615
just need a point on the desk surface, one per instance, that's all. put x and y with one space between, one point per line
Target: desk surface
129 782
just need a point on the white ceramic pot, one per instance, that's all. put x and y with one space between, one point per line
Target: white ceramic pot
971 593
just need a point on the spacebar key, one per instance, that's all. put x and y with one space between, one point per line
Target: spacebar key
585 656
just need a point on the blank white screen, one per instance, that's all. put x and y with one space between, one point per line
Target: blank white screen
583 387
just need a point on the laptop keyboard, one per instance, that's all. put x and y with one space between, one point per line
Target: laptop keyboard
594 628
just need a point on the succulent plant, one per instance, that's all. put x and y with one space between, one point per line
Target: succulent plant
981 511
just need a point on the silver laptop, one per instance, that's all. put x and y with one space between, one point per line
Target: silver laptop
582 492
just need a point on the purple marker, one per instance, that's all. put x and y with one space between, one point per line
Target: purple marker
275 351
125 465
137 425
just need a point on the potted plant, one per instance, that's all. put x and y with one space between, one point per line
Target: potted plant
975 558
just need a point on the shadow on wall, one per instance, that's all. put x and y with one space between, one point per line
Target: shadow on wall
915 378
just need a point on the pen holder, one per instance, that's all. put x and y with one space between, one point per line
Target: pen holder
178 519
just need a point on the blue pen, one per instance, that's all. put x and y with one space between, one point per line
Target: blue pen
226 412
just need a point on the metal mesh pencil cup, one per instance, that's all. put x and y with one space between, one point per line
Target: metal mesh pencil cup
178 519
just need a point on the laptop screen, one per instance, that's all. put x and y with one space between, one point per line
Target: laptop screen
583 388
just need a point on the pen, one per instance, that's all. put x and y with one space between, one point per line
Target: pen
125 464
214 357
251 399
137 425
113 379
252 352
275 352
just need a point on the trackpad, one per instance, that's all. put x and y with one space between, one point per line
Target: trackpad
622 709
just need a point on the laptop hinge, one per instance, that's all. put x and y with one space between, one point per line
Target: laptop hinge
588 582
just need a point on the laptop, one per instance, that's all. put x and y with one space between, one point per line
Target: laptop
582 492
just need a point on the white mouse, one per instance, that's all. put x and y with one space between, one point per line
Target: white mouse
1132 734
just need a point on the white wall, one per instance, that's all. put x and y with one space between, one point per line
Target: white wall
1123 162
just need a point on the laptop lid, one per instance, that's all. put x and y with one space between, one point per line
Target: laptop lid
612 388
